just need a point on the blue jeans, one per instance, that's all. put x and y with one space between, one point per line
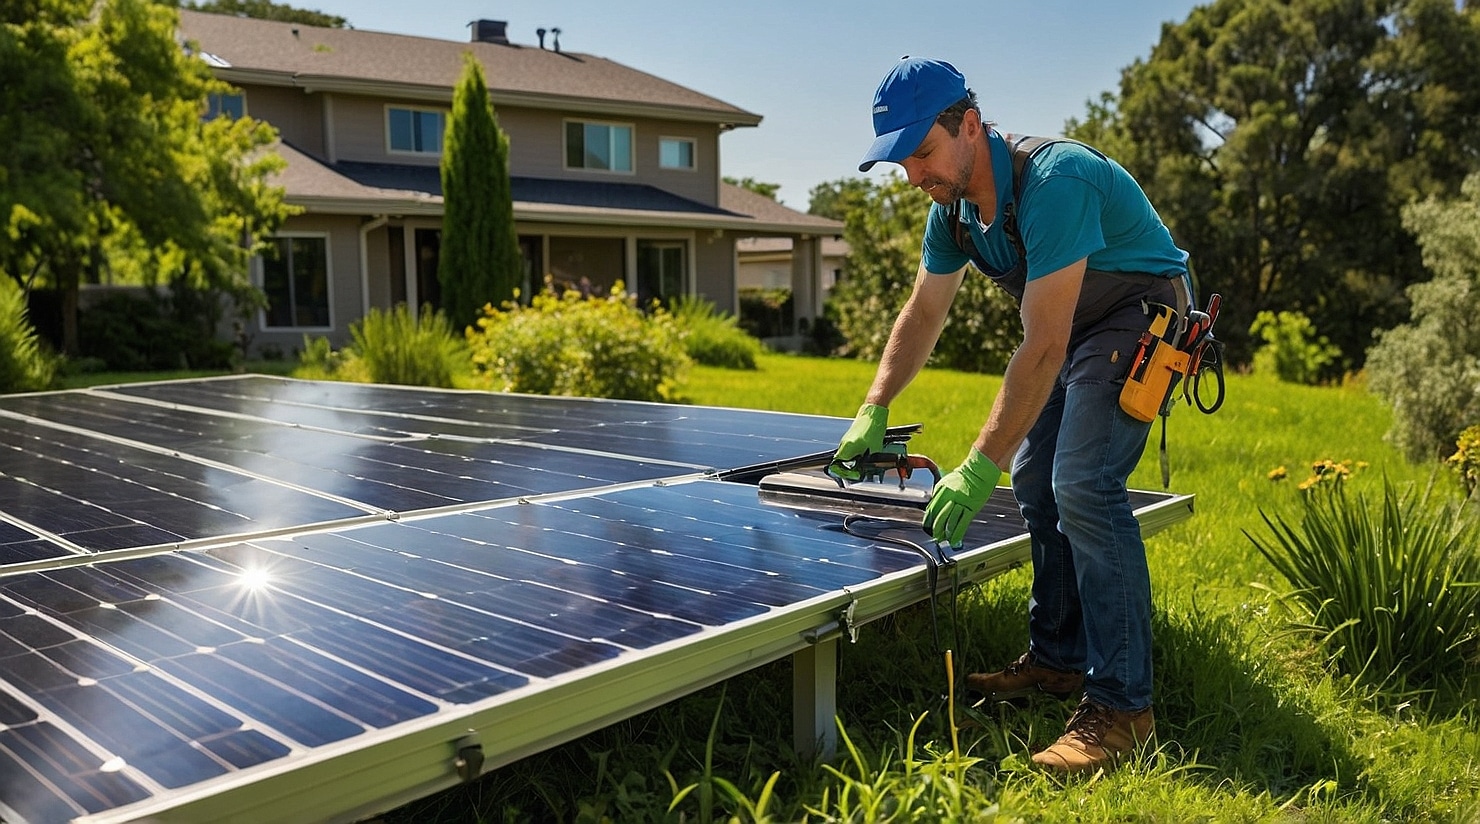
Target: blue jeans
1091 603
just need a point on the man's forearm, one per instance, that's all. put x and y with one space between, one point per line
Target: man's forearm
1026 384
913 335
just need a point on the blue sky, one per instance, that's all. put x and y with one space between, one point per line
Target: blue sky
810 68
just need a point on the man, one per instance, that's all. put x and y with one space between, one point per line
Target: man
1080 246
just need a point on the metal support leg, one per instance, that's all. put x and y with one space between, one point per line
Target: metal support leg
814 683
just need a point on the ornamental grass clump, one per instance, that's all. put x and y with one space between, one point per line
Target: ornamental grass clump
401 347
1391 591
712 337
567 344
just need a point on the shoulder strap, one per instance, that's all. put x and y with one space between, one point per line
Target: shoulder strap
1023 148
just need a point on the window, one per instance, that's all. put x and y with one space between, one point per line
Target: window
233 106
660 271
603 146
418 131
295 277
675 153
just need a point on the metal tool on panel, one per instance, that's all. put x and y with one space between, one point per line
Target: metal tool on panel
874 494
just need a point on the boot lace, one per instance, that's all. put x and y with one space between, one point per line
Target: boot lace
1090 722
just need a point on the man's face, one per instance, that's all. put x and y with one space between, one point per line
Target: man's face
942 165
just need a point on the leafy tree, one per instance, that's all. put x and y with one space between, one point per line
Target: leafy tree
268 10
832 199
884 225
110 160
481 263
1280 138
763 189
1429 367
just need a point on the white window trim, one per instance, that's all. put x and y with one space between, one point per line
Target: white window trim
693 153
586 121
259 276
386 120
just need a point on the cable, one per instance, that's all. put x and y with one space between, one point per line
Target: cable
934 560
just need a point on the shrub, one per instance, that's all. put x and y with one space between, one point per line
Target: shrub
1392 596
602 347
714 338
155 329
1466 459
25 365
402 348
319 360
766 313
1428 369
1292 351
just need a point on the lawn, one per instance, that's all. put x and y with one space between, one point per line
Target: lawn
1253 725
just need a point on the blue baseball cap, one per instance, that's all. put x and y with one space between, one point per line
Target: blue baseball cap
912 95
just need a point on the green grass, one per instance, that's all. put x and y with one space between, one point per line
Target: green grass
1253 725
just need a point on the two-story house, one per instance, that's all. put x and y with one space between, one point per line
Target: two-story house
615 173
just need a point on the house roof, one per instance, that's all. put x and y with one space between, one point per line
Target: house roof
247 50
387 188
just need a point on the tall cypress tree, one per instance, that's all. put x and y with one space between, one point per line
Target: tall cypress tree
480 261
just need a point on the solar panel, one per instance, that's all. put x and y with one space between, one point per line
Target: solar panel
265 599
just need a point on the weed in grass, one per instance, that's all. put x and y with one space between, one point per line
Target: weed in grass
1393 596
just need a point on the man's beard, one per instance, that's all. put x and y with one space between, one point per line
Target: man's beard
950 191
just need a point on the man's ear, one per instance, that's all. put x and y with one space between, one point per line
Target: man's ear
971 122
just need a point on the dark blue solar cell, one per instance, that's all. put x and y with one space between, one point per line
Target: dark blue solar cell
172 573
120 629
187 717
515 646
424 668
33 550
12 711
98 584
88 660
574 614
98 713
36 673
243 748
33 632
709 609
177 621
273 706
45 593
136 535
320 679
48 776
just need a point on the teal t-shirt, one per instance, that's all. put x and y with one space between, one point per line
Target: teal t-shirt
1076 204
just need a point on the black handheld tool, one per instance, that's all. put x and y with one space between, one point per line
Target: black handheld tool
873 466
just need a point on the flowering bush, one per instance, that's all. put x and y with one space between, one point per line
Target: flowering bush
567 344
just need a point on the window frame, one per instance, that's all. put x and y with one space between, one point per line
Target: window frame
216 109
611 125
693 153
443 114
264 316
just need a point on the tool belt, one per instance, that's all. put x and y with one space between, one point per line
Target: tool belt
1170 349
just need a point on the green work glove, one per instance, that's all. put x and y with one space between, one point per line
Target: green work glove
864 436
959 496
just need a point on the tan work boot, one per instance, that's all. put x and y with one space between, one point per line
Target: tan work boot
1025 677
1097 736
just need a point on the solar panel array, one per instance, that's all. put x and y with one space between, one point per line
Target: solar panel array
207 587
